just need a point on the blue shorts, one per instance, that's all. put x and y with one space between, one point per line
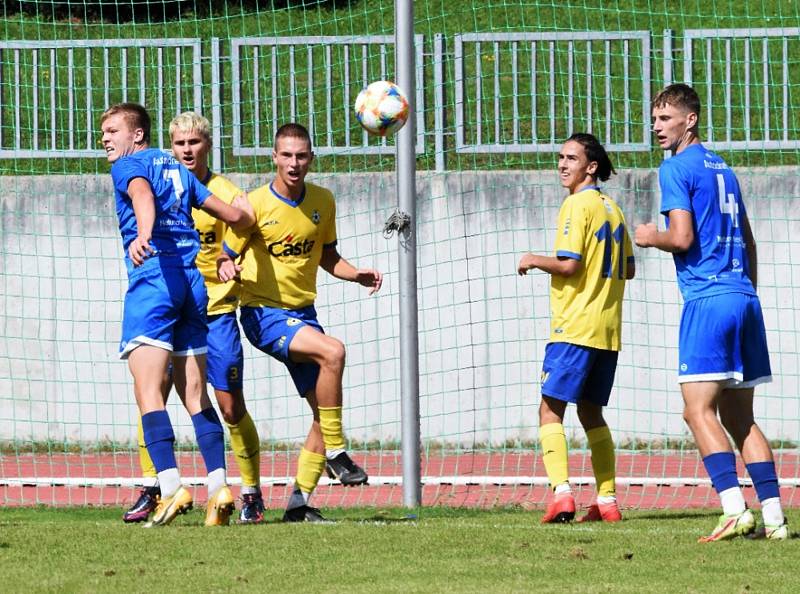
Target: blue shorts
225 361
571 373
165 307
271 330
722 338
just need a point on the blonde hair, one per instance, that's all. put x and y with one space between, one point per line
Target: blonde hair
190 121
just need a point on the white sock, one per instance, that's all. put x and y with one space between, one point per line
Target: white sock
331 454
732 501
170 481
563 488
250 489
771 512
216 480
606 499
150 481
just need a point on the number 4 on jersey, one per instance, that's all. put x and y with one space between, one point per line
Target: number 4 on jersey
727 202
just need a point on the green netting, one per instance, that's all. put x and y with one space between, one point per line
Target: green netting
500 86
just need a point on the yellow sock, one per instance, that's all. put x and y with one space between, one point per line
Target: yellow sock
554 453
148 468
330 423
309 469
247 447
602 447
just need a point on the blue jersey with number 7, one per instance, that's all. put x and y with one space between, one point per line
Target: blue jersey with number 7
700 182
176 190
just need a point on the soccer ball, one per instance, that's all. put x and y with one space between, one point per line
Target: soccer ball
382 108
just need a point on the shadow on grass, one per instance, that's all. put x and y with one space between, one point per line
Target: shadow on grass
673 515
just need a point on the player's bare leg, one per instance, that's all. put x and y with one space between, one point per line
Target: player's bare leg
190 382
700 413
603 463
148 365
736 413
329 354
147 501
555 458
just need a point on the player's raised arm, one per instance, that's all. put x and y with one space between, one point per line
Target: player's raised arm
238 215
144 207
333 263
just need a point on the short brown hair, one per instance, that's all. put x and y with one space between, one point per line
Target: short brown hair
135 115
678 95
293 130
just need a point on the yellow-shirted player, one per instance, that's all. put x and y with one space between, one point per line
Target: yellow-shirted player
593 259
191 143
278 258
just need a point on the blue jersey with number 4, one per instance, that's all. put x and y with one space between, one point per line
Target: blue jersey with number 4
176 190
700 182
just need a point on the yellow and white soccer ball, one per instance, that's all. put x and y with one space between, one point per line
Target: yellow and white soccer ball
382 108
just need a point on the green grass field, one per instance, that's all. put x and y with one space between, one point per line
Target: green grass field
369 550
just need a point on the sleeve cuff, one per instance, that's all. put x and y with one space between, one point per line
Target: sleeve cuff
229 251
566 254
327 246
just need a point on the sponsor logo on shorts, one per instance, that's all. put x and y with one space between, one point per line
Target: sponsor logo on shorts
684 367
281 342
292 321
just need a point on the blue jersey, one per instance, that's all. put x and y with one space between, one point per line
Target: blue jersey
176 191
700 182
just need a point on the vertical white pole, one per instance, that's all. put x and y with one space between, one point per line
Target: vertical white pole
407 196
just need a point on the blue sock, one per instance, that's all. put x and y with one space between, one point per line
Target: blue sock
765 479
210 438
159 439
721 468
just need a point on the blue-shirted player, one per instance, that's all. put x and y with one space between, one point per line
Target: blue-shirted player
723 346
164 316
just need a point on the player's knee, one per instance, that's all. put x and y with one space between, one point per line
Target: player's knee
334 354
736 423
590 417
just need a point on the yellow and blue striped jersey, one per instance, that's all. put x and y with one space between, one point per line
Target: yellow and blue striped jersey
222 297
282 252
587 306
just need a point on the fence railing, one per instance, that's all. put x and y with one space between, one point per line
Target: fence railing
489 92
280 79
57 89
559 83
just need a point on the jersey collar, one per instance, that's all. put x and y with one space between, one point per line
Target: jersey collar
289 201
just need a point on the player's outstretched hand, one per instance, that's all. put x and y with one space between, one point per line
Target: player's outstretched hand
242 203
645 235
140 249
526 263
227 269
370 278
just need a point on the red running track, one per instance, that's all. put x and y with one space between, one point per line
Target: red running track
111 466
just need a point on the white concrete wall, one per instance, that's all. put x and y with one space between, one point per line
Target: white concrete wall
482 328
